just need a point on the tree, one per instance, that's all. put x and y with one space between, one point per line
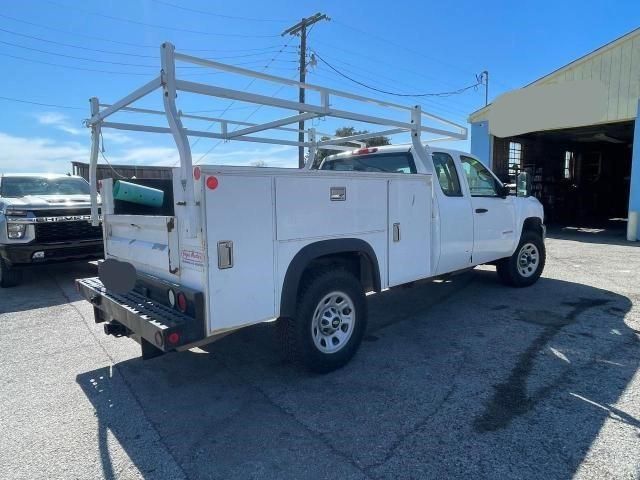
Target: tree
321 154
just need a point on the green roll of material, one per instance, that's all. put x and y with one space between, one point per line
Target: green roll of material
130 192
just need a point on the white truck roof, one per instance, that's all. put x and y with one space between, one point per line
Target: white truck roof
403 147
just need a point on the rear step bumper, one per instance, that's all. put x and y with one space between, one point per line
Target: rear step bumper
146 320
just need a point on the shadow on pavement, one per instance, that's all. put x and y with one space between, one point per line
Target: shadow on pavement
461 378
40 286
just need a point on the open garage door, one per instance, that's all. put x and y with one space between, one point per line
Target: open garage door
581 175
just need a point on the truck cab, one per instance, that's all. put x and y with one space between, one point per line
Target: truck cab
475 219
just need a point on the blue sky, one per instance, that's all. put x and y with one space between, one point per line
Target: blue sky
61 52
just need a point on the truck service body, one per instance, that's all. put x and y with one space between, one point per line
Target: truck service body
244 245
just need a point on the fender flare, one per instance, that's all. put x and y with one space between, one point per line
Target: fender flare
302 259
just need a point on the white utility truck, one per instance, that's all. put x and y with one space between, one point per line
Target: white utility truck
244 245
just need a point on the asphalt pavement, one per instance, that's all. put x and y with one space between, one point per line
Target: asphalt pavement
462 378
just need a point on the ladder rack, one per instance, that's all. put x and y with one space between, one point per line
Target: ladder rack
171 85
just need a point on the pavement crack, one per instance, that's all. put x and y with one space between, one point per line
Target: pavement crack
315 434
421 424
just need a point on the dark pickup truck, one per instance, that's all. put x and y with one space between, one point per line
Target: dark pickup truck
44 218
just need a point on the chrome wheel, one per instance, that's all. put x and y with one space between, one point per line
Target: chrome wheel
528 260
333 322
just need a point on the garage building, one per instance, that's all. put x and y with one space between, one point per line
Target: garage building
573 131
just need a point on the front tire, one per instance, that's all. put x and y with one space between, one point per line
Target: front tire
8 277
331 319
525 266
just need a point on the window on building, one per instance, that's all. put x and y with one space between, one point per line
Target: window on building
515 157
569 162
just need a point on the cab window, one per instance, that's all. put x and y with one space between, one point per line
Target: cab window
481 182
388 163
445 170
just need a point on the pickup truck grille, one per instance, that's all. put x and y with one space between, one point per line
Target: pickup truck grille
62 212
64 231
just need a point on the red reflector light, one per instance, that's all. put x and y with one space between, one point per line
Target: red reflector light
363 151
173 338
212 183
182 302
197 173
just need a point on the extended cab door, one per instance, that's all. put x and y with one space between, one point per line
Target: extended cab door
455 218
493 216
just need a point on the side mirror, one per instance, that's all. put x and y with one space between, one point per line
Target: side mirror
503 191
523 185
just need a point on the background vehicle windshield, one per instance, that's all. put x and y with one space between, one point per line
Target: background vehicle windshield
23 186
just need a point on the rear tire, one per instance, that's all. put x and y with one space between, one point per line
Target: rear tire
525 266
331 319
9 277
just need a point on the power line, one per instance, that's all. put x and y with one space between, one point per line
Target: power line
246 119
219 15
70 66
73 57
153 25
54 42
231 105
85 59
352 27
438 94
129 44
112 52
40 104
436 108
393 82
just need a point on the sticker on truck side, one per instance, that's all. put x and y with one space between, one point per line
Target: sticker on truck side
192 258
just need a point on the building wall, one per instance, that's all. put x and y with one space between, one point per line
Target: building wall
481 142
617 66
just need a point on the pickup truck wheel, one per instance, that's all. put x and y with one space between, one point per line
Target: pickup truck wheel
331 321
525 266
9 277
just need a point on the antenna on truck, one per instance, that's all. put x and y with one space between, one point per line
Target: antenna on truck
416 121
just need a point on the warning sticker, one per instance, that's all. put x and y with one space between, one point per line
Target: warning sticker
193 258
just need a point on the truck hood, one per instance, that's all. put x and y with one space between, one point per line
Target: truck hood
49 201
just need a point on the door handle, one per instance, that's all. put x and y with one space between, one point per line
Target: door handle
481 210
396 232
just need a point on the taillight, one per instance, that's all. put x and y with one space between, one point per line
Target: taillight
197 173
182 302
212 183
173 338
363 151
172 298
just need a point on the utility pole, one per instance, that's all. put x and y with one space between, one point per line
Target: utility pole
300 28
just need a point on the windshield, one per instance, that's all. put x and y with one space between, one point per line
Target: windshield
23 186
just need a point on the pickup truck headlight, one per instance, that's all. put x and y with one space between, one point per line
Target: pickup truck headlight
15 231
15 213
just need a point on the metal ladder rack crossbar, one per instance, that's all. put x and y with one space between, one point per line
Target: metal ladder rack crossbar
170 85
